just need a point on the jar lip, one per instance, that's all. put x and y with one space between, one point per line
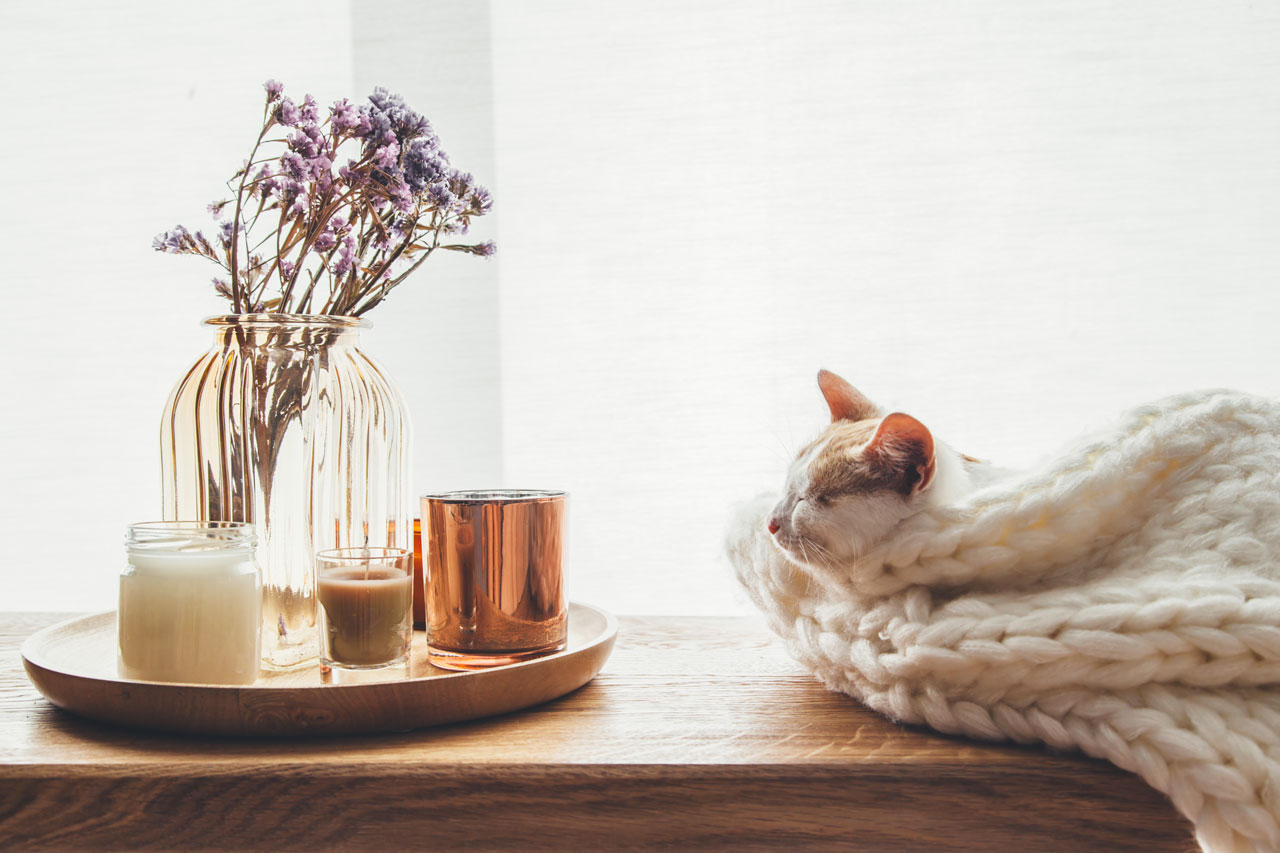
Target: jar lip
336 322
502 496
161 534
362 553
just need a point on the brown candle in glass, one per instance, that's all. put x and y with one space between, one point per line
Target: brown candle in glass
365 607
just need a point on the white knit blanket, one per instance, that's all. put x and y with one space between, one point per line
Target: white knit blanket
1123 599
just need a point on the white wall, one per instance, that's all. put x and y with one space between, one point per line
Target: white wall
438 335
121 119
1009 218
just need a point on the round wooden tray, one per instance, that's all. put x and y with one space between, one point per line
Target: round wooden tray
73 664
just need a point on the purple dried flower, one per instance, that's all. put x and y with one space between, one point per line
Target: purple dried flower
261 184
325 242
406 123
222 288
287 113
484 250
226 234
319 166
424 164
178 241
310 110
346 256
378 127
479 202
294 166
352 175
401 197
303 145
440 197
298 208
274 89
345 117
386 156
286 269
461 182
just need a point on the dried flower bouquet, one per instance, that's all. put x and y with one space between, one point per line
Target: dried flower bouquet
338 239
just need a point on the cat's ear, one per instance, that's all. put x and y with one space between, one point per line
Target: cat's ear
845 402
904 444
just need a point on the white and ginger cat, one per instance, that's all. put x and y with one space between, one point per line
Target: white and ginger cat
864 474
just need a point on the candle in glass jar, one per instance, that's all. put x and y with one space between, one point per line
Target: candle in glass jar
190 604
366 606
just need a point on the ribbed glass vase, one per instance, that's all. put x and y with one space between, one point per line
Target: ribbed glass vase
285 423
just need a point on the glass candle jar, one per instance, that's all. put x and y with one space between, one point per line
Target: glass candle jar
366 607
190 603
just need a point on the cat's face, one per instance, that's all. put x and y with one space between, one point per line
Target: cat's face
850 487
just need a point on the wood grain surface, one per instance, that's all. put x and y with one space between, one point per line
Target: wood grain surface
699 733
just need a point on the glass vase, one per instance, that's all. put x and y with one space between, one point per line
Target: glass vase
287 425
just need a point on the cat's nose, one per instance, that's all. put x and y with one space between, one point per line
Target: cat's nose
774 525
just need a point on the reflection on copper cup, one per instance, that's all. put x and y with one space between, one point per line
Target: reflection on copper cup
494 576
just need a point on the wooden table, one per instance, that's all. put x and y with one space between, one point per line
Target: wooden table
699 733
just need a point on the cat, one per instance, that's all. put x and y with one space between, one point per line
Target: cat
864 474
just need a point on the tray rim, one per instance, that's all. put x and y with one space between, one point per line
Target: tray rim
313 709
30 658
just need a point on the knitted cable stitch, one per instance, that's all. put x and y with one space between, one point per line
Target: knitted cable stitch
1123 600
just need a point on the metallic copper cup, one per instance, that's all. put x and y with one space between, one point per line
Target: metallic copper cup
494 576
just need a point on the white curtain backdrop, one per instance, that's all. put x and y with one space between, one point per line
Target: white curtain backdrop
1009 218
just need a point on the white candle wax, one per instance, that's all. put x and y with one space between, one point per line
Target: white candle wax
190 616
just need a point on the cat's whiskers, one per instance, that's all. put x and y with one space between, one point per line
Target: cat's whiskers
824 553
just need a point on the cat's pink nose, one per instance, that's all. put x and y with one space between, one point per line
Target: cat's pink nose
773 525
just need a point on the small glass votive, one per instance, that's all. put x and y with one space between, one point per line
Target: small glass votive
494 568
190 603
365 608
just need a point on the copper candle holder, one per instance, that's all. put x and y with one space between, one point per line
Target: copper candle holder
494 567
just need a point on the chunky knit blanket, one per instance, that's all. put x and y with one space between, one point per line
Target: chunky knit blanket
1123 599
